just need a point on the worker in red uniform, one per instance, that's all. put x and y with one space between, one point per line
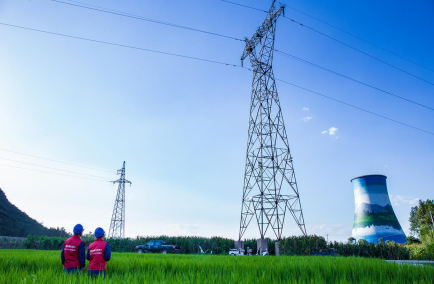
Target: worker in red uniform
73 253
98 254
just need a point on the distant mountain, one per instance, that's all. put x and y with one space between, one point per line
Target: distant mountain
373 208
16 223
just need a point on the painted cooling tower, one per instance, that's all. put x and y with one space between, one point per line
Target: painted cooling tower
374 217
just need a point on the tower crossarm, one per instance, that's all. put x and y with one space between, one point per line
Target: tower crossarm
256 39
121 181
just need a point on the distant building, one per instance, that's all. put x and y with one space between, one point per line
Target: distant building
374 217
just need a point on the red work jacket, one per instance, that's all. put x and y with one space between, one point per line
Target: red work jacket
96 255
70 250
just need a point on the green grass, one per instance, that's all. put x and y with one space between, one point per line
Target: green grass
32 266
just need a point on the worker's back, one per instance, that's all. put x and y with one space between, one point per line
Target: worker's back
70 249
96 255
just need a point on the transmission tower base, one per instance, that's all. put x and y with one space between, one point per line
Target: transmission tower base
262 245
276 248
239 245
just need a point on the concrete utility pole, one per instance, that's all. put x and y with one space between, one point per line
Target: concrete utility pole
269 170
117 224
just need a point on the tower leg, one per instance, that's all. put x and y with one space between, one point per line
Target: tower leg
276 248
239 245
262 245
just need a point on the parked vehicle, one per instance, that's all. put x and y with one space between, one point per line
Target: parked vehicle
325 252
158 247
234 252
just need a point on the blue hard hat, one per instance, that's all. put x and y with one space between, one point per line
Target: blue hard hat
99 232
78 229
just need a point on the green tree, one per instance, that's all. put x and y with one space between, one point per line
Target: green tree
421 223
412 240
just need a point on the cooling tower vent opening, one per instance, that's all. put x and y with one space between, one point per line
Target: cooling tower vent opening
374 217
369 176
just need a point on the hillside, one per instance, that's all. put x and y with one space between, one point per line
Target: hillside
16 223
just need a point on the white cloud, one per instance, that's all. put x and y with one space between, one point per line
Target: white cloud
306 119
332 131
305 109
398 200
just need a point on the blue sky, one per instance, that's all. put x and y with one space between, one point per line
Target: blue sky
181 125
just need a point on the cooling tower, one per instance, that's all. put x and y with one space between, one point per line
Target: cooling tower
374 217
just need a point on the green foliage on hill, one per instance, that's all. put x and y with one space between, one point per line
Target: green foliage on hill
16 223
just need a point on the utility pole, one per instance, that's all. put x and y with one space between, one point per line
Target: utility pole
269 170
117 224
432 220
327 237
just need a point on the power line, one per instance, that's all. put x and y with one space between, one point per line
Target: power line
365 53
118 13
38 157
349 78
356 107
245 6
221 63
114 12
121 45
104 178
353 35
105 10
343 43
52 173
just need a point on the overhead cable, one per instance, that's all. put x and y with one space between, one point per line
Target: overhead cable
118 13
356 107
38 157
222 63
349 78
105 10
114 12
343 43
104 178
365 53
121 45
245 6
355 36
52 173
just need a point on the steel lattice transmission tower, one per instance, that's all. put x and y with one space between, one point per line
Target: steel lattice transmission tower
269 170
117 224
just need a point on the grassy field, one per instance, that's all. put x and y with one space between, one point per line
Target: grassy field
32 266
